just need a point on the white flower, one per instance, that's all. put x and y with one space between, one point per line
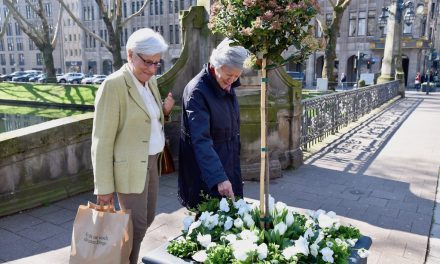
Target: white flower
363 253
239 203
308 234
329 244
244 210
327 255
224 206
351 242
280 206
204 216
212 244
194 226
280 228
320 237
309 223
211 221
302 245
231 238
290 219
241 249
262 251
187 222
238 223
331 214
314 250
228 224
289 252
247 219
249 235
200 256
204 240
316 214
325 221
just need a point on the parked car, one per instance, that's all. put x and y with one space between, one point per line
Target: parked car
8 77
36 77
91 79
43 78
71 77
25 77
99 80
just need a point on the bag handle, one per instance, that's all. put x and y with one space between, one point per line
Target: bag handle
109 208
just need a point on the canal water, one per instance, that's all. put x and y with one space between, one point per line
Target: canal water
9 122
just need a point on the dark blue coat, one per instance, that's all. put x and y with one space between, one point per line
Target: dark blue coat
209 150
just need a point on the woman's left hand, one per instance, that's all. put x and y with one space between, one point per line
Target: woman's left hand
168 104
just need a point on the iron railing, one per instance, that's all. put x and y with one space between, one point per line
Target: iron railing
325 115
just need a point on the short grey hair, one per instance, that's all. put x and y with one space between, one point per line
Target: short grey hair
232 56
146 41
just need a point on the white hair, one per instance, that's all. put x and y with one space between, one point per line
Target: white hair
232 56
146 41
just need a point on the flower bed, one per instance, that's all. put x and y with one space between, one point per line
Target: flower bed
229 232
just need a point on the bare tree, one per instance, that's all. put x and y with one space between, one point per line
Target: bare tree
39 31
330 31
111 11
2 29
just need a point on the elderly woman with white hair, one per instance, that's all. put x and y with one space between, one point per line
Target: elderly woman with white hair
209 149
128 134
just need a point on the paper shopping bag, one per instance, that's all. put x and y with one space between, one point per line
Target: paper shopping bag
101 235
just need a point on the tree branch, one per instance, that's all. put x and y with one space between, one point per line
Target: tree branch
3 28
57 27
135 14
81 25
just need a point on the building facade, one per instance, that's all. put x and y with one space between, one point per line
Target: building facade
361 38
78 51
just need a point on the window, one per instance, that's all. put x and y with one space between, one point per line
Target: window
176 34
124 9
182 4
28 11
10 44
31 45
126 35
171 33
19 44
170 6
133 7
151 7
156 7
176 6
48 9
74 37
371 23
2 59
9 29
11 59
318 31
2 45
20 59
352 24
362 23
39 58
161 6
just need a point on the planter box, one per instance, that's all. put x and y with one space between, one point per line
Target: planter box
161 256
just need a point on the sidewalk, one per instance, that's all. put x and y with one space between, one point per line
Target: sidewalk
381 176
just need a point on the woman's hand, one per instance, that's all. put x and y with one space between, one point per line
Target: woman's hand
225 189
104 199
168 104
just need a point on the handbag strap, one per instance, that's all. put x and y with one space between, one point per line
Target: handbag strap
110 208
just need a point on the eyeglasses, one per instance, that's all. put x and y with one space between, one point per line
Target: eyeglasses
149 63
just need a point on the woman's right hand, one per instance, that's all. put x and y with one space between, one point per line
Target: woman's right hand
104 199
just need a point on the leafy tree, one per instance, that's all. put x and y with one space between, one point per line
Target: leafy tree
39 31
114 24
330 31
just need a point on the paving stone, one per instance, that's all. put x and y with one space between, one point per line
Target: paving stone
435 231
374 201
41 231
20 248
420 228
18 222
6 237
388 195
432 260
407 206
434 247
59 217
44 210
60 240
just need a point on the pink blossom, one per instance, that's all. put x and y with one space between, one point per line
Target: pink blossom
249 3
246 31
268 15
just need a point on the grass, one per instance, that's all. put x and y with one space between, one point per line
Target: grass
48 93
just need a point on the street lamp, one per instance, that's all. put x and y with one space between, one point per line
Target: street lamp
392 59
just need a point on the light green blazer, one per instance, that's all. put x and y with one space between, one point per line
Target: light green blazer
121 134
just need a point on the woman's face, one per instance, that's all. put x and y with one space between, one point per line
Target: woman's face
226 75
144 66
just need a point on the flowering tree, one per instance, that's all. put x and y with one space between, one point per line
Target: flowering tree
266 28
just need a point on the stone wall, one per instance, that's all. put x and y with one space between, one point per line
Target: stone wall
45 162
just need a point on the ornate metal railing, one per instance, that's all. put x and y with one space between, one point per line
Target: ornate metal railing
326 114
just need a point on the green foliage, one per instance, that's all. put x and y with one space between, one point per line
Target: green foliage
182 248
267 27
219 254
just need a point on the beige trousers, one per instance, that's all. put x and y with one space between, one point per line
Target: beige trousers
142 206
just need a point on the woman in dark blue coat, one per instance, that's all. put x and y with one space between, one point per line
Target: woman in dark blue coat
209 150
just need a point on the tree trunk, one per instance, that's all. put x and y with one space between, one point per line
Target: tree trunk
331 38
48 62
